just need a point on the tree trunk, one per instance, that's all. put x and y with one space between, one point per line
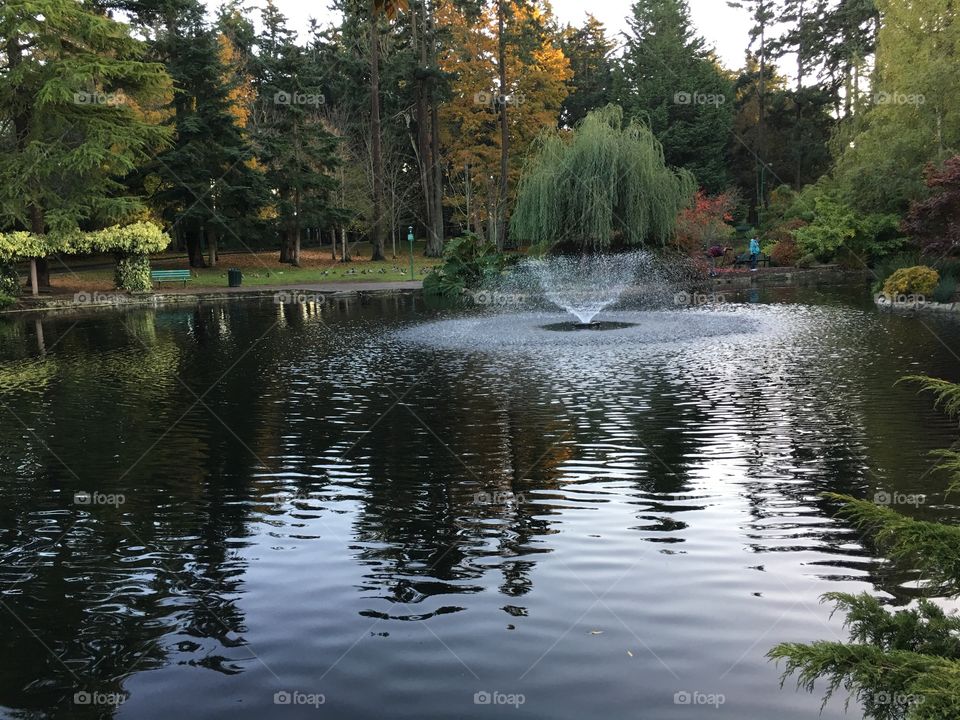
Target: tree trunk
212 246
39 267
501 219
287 245
296 228
393 224
467 174
34 286
43 273
856 82
434 188
492 222
801 72
39 270
376 236
295 245
436 237
423 141
761 146
848 89
194 251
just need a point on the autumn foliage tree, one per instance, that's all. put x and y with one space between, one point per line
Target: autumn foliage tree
934 223
705 221
471 137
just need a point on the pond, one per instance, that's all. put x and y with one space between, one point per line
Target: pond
347 510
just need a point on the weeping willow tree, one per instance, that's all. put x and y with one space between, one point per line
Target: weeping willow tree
902 665
606 186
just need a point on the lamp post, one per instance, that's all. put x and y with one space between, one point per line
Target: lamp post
410 240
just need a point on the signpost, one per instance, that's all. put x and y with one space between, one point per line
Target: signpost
410 240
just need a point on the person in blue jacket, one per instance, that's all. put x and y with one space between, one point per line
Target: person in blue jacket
754 254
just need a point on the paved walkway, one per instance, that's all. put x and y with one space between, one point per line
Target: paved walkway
321 287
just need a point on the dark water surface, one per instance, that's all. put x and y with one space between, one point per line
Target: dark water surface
328 502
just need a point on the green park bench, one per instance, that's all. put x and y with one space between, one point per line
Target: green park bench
161 276
744 260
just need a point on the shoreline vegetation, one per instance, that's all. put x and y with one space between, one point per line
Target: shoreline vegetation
311 283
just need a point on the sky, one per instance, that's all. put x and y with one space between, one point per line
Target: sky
725 28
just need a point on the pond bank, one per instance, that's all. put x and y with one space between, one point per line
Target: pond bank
914 304
727 279
277 293
786 277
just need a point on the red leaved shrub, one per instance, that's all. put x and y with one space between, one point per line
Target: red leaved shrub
704 223
934 223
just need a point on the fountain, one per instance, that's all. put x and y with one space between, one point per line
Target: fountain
580 304
584 286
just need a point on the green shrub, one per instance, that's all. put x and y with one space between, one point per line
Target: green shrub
835 226
467 262
6 300
136 238
886 267
132 273
807 261
782 200
918 280
9 281
946 289
780 240
785 230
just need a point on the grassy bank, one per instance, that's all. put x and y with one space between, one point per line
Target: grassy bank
262 268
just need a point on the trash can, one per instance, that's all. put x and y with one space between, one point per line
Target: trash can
234 277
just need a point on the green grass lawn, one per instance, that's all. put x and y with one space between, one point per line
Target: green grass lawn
366 271
261 268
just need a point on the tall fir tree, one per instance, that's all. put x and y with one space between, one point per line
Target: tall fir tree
793 152
207 185
293 144
589 51
75 96
670 79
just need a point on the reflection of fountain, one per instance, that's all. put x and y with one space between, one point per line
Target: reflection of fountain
584 286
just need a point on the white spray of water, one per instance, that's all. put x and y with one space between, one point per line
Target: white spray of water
584 286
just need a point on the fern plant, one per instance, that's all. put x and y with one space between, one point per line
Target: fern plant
468 262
